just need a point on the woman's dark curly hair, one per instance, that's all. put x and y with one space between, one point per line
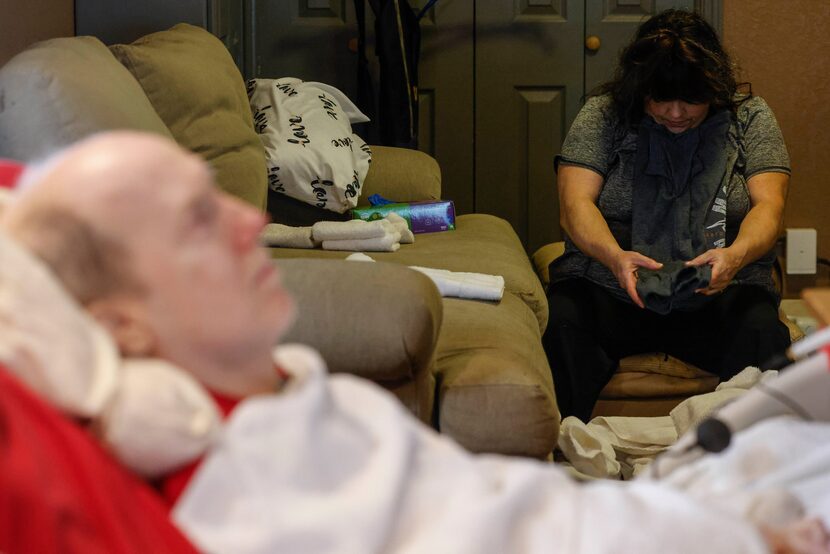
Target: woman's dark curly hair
675 55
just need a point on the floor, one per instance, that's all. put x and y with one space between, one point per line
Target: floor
798 312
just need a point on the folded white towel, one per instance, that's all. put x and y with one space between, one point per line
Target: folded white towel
347 230
390 242
402 227
474 286
276 234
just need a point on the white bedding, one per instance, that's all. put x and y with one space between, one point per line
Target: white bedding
337 465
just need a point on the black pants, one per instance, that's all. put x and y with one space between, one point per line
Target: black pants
590 331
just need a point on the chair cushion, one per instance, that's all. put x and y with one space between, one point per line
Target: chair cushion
480 243
61 90
543 257
401 175
194 85
495 389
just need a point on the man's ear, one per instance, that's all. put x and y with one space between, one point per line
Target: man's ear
123 319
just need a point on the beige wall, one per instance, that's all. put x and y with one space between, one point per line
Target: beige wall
783 48
23 22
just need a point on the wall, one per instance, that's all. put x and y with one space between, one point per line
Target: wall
23 22
782 48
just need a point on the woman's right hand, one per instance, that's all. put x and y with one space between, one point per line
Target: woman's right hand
625 265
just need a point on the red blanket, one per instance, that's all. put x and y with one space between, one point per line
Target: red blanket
61 492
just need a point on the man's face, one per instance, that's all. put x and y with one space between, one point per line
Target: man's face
209 286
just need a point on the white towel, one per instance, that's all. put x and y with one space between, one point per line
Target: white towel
359 257
401 226
347 230
276 234
473 286
390 242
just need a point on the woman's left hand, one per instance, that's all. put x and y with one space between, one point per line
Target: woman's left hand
725 264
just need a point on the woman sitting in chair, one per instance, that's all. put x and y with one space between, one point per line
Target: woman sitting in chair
672 189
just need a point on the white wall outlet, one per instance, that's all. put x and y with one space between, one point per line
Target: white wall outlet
801 251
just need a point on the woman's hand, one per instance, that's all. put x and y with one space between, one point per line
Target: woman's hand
725 262
624 267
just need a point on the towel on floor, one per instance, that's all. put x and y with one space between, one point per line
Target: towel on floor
389 242
622 447
276 234
347 230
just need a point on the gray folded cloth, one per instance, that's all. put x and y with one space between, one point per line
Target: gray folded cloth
276 234
673 287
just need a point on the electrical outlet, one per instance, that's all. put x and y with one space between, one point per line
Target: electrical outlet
801 251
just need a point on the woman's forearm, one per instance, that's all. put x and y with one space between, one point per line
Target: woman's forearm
589 231
762 224
580 217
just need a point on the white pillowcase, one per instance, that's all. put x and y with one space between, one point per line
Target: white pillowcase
152 415
159 418
312 154
48 341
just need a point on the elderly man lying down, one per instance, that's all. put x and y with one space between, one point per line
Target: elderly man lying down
136 231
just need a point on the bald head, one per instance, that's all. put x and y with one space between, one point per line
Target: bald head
74 208
101 175
126 212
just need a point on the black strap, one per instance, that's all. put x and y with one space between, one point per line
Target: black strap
365 89
426 8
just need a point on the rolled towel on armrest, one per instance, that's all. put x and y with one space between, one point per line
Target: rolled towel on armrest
276 234
472 286
347 230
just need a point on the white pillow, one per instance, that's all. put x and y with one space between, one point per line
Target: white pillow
159 418
152 415
48 341
312 154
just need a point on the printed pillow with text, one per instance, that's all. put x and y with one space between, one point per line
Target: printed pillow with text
311 152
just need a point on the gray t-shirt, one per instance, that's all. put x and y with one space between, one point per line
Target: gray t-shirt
597 141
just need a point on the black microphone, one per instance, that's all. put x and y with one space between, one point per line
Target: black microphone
713 435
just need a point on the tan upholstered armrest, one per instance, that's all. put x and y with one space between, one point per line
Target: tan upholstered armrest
402 175
543 257
376 320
